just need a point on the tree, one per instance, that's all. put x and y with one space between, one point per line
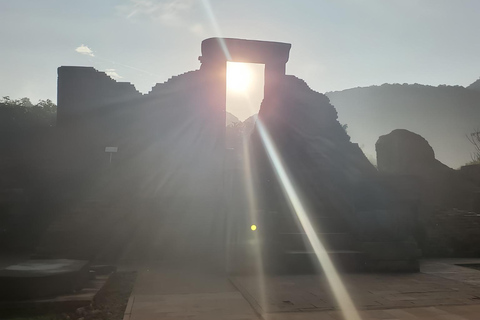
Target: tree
474 139
47 105
23 102
21 114
234 135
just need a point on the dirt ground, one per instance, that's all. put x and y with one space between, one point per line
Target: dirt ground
109 304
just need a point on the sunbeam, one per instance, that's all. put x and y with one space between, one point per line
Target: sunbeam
341 295
252 209
336 284
216 28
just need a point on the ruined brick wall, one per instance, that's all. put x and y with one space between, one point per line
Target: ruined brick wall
166 172
167 140
85 92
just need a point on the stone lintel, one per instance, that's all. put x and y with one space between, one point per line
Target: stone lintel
240 50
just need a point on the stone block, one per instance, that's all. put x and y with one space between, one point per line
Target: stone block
391 251
393 265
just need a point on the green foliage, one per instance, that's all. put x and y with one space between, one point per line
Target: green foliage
22 114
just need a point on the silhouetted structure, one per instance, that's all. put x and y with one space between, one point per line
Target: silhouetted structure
171 152
168 141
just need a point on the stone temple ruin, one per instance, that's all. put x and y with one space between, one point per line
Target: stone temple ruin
171 166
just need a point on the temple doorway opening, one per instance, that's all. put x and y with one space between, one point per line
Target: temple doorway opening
245 88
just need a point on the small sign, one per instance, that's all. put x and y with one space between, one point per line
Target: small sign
111 149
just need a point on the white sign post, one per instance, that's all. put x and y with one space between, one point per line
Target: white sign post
111 150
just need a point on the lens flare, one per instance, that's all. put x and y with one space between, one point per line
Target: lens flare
253 227
216 27
339 291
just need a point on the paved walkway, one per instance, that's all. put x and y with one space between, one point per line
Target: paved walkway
442 290
437 284
170 293
428 313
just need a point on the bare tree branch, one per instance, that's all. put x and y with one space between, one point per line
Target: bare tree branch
474 139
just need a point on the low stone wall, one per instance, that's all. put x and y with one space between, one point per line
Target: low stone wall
472 173
451 233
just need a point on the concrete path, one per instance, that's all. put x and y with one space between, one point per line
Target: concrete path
172 293
368 291
428 313
443 290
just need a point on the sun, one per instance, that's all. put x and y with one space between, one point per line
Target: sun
239 77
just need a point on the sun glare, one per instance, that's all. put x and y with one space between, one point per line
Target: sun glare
239 77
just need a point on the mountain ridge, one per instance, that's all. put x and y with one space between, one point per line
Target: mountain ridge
443 115
475 85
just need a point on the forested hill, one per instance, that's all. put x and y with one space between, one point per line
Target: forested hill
475 85
443 115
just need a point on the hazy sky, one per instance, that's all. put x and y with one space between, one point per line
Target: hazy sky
337 44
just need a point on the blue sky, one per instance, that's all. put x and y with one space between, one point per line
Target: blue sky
337 44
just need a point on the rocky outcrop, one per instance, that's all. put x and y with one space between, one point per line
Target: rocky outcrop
402 152
448 198
405 152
